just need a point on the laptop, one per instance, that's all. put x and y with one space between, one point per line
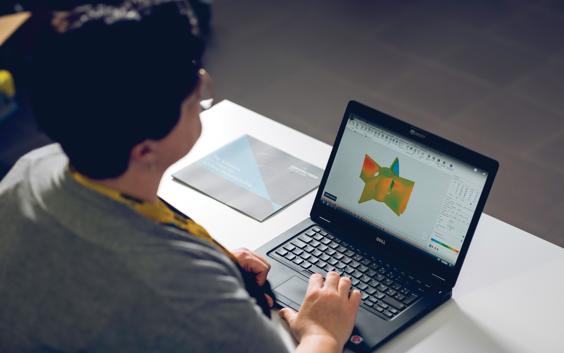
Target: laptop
395 211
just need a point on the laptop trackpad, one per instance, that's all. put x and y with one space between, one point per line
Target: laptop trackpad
294 289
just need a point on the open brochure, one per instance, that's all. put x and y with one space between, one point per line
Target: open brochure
251 177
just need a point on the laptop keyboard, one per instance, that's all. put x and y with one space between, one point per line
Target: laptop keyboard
386 290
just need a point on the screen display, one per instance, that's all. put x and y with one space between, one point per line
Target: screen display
414 193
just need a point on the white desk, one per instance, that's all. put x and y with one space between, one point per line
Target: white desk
509 296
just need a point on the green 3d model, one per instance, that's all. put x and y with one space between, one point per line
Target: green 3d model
385 185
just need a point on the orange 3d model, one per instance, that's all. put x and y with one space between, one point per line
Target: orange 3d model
385 185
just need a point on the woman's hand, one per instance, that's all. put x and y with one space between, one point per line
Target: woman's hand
328 312
256 264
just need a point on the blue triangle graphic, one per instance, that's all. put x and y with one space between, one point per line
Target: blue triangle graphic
236 163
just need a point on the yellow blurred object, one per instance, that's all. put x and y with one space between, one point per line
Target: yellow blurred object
7 87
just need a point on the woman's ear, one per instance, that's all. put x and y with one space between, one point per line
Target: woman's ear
144 153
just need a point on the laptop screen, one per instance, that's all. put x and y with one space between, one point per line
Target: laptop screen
416 194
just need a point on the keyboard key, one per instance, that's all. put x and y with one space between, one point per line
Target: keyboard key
340 266
323 232
310 233
330 252
333 262
362 268
333 245
300 244
378 308
321 264
316 269
400 297
365 262
341 249
349 270
298 251
373 283
281 252
396 304
338 256
388 314
349 253
354 264
383 305
392 310
370 290
369 304
382 288
305 238
355 281
391 292
314 243
362 286
318 236
364 296
309 248
365 278
380 295
322 247
305 256
289 247
290 256
325 241
316 253
306 264
371 273
297 260
313 259
324 257
316 229
346 260
410 299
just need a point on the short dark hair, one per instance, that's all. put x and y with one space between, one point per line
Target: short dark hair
108 77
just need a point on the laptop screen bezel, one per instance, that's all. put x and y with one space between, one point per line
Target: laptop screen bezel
388 245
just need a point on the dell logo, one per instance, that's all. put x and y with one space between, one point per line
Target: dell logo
416 133
380 240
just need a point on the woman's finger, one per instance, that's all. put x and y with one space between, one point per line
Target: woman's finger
331 280
315 282
344 285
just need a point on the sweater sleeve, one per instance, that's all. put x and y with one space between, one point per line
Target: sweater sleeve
212 311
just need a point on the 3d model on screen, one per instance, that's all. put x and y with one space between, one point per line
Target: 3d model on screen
385 185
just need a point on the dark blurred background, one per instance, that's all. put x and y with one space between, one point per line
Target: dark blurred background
488 74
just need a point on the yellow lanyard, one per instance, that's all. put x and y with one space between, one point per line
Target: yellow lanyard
156 211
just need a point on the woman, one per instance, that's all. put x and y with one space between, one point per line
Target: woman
90 259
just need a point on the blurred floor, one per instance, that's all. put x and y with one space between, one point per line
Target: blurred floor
488 74
485 73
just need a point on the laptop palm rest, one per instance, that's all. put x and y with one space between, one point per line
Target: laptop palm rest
292 293
293 289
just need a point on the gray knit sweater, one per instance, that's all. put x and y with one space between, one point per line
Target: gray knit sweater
80 272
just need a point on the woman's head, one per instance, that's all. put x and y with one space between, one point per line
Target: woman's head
108 78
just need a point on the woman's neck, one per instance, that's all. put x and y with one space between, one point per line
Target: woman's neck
139 184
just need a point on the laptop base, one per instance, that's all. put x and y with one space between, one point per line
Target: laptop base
370 330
